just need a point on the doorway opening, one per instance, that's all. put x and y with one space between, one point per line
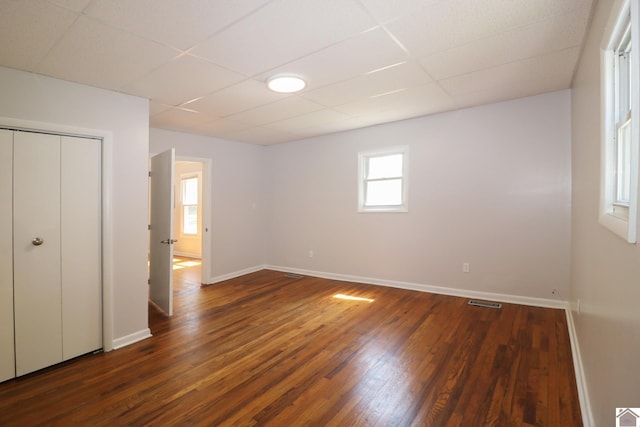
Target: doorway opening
187 224
187 229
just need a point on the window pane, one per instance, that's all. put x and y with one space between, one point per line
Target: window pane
190 191
623 154
384 193
190 220
385 166
623 75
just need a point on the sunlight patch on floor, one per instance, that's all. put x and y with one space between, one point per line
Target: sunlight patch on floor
178 263
352 298
189 263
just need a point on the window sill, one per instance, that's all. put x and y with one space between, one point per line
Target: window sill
383 209
617 225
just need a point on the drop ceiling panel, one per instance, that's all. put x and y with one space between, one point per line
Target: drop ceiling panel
289 107
284 31
190 78
221 127
401 76
403 104
300 123
175 23
561 32
176 118
234 99
156 108
386 10
338 126
21 46
97 55
457 22
319 69
528 77
75 5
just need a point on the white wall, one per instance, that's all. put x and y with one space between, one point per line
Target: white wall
488 185
237 198
605 269
30 97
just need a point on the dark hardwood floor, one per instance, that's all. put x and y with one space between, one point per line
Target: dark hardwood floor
265 349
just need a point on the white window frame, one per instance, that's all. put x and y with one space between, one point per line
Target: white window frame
363 161
616 215
184 177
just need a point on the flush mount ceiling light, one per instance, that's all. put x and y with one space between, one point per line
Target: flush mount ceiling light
286 83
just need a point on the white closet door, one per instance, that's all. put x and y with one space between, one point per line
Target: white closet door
36 219
7 361
81 246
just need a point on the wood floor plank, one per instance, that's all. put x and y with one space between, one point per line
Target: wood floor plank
267 350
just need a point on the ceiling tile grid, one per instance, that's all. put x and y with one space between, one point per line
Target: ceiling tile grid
95 54
204 64
22 47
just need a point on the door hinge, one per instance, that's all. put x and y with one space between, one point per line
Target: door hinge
148 281
149 227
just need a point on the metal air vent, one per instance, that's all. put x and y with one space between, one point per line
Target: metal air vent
487 304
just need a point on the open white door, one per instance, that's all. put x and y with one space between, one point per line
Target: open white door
161 235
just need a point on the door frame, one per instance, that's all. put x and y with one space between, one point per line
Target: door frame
105 138
207 180
206 213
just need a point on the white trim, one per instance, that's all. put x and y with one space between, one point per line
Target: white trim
362 168
207 172
235 274
617 23
107 242
133 338
107 207
581 382
506 298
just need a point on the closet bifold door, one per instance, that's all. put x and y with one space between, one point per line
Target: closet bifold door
7 351
81 230
36 251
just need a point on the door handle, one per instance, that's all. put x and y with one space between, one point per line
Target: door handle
37 241
169 241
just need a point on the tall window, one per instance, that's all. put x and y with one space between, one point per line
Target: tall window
622 95
619 193
383 181
189 198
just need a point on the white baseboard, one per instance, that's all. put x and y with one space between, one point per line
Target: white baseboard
581 383
131 338
235 274
465 293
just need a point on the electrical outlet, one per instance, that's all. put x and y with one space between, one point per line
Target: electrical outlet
311 253
578 306
465 267
554 291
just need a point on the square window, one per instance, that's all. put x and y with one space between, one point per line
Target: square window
383 181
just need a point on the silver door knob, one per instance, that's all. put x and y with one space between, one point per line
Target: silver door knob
169 241
37 241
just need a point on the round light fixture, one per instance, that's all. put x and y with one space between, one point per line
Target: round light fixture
286 84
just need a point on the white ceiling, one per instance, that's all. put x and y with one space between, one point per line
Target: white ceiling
203 63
